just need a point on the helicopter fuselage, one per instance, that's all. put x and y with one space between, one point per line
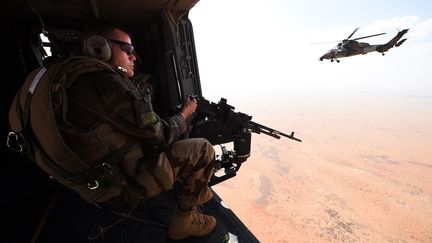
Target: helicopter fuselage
350 49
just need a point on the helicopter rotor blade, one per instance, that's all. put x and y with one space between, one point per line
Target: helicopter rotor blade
324 42
359 38
352 33
369 36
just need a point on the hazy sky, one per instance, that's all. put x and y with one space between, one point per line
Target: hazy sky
258 55
252 47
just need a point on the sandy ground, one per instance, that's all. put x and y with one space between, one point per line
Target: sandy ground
363 172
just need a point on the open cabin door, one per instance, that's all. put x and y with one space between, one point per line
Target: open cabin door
178 74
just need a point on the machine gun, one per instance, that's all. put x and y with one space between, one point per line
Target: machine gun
220 124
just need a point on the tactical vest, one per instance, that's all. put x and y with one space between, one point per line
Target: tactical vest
36 134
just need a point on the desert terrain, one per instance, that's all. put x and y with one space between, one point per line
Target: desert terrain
363 172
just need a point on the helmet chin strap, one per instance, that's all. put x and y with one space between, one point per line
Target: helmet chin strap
122 69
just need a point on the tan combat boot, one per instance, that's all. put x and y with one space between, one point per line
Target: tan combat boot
190 223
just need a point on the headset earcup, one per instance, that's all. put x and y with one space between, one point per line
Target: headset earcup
97 46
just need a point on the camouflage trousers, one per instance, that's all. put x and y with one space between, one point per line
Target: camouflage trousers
189 160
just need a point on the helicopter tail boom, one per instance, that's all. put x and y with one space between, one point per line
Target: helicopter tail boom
393 42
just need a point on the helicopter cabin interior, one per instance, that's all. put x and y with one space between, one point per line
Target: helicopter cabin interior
36 32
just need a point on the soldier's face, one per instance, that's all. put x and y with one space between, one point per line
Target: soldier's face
122 52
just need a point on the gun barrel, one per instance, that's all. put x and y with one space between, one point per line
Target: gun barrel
258 128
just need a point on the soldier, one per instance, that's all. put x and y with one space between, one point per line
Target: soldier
112 146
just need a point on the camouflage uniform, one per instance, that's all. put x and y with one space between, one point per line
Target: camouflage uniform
103 110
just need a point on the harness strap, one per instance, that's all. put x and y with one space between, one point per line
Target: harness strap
36 80
27 102
96 174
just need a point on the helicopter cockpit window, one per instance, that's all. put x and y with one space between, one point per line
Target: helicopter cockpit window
61 43
46 45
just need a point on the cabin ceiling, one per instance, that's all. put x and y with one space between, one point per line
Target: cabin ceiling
79 12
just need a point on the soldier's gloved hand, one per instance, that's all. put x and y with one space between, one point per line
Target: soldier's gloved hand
189 107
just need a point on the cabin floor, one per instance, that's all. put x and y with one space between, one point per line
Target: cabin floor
67 218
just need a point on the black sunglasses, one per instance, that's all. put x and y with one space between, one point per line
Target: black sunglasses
124 46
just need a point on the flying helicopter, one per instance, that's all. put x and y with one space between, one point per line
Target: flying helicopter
351 47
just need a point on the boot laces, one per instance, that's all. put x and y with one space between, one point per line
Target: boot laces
198 217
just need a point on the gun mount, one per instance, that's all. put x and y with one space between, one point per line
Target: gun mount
220 124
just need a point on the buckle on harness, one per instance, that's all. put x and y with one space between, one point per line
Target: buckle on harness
104 169
93 185
15 142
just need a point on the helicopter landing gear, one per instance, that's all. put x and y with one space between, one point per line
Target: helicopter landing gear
337 61
383 54
332 60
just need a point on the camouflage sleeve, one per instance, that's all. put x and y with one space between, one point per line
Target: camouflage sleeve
106 97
